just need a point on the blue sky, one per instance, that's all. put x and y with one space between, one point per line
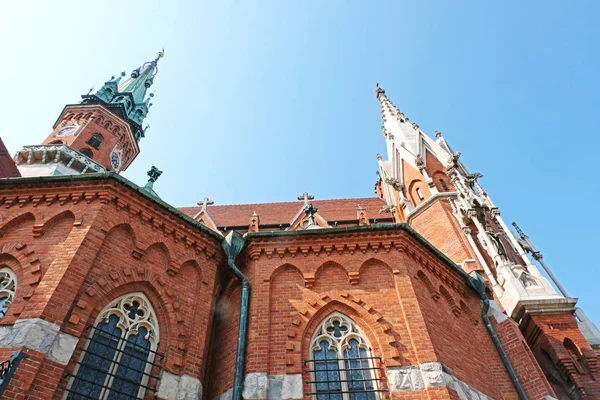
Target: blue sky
260 101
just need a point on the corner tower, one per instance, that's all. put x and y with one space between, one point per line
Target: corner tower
425 184
99 134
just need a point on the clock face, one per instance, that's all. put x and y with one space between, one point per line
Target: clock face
67 131
115 160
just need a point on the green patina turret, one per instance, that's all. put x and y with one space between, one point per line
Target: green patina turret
128 99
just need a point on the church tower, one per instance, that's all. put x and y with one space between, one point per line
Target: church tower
99 134
425 184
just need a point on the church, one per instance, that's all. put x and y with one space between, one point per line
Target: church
422 291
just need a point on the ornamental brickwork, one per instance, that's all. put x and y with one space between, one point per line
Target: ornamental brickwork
422 292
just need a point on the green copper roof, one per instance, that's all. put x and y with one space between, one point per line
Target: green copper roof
129 98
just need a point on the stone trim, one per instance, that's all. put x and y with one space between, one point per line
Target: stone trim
259 385
175 387
429 374
428 203
41 336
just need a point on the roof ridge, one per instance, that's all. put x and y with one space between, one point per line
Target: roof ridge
284 202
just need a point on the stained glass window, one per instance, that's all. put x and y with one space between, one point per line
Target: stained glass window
342 366
8 286
118 356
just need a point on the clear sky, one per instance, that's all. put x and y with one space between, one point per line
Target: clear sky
261 101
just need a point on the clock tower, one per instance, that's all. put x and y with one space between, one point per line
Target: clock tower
101 133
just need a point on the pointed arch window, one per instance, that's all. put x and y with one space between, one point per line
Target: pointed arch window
342 366
8 287
95 140
118 357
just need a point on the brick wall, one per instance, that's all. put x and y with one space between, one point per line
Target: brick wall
75 247
374 279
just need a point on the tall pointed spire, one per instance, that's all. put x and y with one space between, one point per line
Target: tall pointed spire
128 99
396 124
141 79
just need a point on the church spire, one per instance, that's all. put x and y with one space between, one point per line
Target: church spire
128 99
396 125
141 79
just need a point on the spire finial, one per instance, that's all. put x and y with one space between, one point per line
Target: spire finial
378 90
154 174
160 55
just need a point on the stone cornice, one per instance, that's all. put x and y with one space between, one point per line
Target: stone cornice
428 203
124 196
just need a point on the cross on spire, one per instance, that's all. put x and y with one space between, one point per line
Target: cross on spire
205 202
306 197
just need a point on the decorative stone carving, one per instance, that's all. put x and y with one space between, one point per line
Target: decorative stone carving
395 183
419 162
430 374
453 161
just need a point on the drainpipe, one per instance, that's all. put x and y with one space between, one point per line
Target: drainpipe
233 245
476 282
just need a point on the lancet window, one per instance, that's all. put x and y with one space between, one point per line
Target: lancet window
342 366
118 357
8 287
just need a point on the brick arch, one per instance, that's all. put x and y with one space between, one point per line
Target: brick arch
126 228
26 266
285 284
113 284
436 176
40 230
412 190
316 306
338 277
168 333
16 221
468 313
434 293
450 300
371 276
285 266
160 249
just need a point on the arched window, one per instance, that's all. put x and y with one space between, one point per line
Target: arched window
8 287
342 366
87 152
117 359
95 141
444 186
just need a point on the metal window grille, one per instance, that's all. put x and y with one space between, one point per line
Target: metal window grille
114 367
350 378
7 369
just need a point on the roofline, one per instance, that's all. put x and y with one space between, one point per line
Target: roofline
365 228
286 202
98 176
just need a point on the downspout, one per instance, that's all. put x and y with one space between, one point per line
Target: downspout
233 245
476 282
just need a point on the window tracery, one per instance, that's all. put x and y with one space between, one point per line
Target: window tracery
8 287
118 357
342 365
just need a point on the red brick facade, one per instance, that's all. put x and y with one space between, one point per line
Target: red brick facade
394 275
